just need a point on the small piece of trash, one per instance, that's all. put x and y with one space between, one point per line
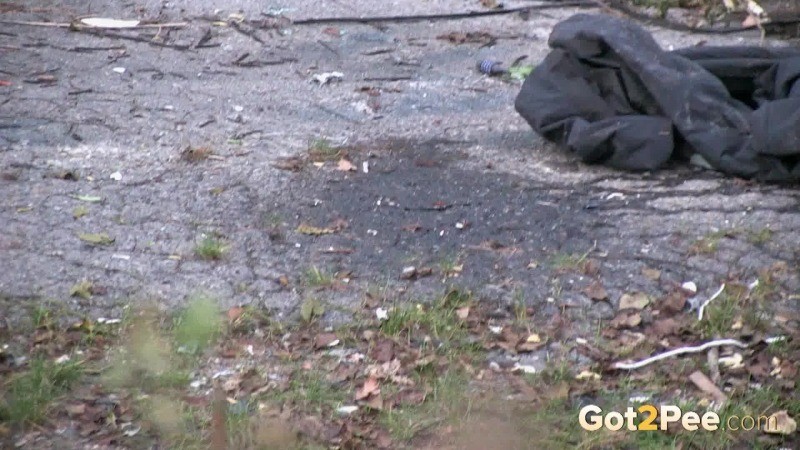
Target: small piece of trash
119 69
614 195
690 286
460 225
381 313
132 432
103 320
327 77
119 256
523 368
62 359
365 166
408 272
347 409
102 22
116 176
639 399
238 108
372 232
495 329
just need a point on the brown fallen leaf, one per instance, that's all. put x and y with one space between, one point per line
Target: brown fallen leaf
345 166
375 402
590 267
76 409
673 303
633 300
369 387
781 423
596 291
325 340
652 274
665 327
626 320
383 351
235 313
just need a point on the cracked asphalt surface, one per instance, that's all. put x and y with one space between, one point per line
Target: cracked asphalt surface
456 178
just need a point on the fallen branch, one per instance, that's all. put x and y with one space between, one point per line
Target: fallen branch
678 351
453 16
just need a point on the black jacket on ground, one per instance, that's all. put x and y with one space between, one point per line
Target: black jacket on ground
608 92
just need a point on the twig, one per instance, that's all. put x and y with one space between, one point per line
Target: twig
454 16
79 26
678 351
710 299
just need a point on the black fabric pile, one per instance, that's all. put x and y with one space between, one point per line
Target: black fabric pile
608 92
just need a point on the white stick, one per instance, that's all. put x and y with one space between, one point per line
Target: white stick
705 303
678 351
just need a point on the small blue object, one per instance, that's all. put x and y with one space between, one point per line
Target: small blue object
490 67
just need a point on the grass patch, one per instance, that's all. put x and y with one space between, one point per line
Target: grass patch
438 321
759 237
321 150
28 395
210 249
316 277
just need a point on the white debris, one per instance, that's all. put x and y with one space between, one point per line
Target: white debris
381 313
102 22
116 176
690 286
365 166
523 368
495 329
119 69
62 359
325 78
347 409
614 195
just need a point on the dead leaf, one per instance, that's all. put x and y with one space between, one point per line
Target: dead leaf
673 303
665 327
294 164
325 340
462 313
375 402
314 231
596 291
369 387
652 274
590 267
383 351
491 4
633 300
626 320
345 166
235 313
781 423
76 409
